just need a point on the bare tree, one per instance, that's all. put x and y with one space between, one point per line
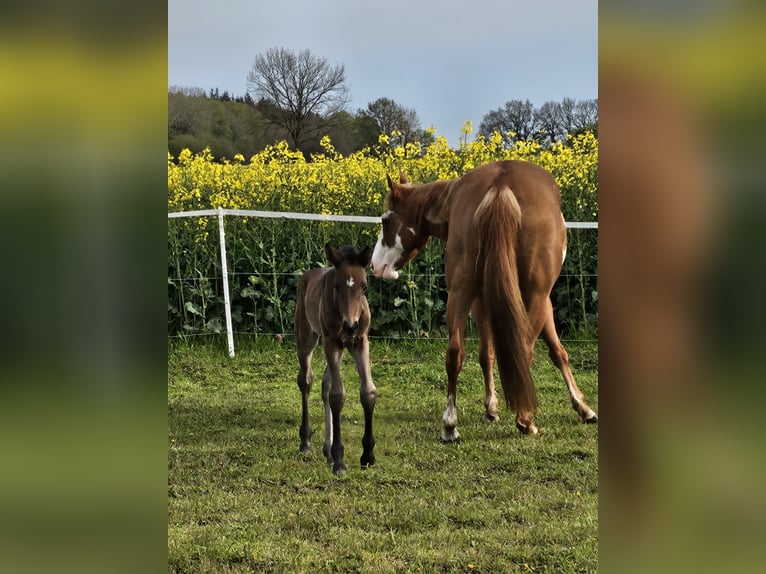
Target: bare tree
303 91
548 122
586 115
515 116
566 112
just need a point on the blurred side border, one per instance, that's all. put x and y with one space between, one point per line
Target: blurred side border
682 221
83 352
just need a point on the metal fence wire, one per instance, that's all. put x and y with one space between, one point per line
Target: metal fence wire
239 276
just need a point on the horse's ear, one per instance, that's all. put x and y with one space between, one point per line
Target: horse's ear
403 178
395 192
333 255
365 256
390 182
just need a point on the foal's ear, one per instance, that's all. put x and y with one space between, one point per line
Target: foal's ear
333 255
365 256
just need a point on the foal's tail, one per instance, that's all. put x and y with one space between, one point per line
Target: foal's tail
497 221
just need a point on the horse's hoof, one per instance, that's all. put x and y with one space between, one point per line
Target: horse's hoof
591 420
449 435
488 418
339 468
526 429
367 461
305 447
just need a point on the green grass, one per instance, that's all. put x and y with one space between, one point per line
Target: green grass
241 498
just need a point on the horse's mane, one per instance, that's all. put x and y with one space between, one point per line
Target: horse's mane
428 200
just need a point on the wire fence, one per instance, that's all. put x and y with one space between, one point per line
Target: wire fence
215 287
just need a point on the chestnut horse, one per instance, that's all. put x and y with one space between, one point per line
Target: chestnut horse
331 305
505 244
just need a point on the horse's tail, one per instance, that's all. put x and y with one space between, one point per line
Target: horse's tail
497 221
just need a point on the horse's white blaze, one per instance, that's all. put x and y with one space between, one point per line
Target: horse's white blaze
350 282
384 257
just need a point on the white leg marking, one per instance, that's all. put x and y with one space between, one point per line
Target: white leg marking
449 432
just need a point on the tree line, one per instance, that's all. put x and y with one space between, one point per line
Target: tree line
300 98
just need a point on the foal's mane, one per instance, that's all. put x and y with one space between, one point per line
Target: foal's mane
352 256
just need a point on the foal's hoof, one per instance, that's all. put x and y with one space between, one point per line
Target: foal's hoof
449 435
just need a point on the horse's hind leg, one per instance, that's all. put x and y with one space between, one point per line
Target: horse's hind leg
560 358
367 395
457 314
487 361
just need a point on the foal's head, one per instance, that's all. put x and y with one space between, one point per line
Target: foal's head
349 285
399 241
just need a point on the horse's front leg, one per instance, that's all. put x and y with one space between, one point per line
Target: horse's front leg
334 396
457 313
486 360
367 394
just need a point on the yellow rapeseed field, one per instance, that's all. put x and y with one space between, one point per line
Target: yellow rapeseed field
279 178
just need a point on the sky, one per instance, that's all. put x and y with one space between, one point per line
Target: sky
450 61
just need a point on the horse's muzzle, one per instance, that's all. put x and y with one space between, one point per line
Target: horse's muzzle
385 271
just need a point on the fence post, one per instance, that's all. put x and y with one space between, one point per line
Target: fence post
225 273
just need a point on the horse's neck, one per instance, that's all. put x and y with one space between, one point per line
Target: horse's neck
431 205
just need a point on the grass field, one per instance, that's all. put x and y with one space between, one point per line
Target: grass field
241 498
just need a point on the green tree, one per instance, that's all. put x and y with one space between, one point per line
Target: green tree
392 118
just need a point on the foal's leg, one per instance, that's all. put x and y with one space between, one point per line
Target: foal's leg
486 360
457 313
305 379
334 396
560 358
305 341
326 386
367 394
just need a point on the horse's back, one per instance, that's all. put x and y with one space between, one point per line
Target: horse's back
542 236
534 188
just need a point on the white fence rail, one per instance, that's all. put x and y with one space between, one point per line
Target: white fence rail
221 212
